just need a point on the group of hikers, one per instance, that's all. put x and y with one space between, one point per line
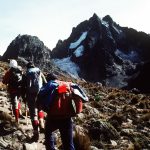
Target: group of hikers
60 100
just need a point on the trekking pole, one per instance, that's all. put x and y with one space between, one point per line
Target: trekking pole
26 111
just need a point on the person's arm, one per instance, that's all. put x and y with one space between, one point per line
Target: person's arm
23 87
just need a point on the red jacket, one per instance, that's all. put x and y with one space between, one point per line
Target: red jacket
6 80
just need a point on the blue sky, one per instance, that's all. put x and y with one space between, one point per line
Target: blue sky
52 20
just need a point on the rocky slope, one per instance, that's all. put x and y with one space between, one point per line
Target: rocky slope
112 119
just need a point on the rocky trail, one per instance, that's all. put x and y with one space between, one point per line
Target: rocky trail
112 119
12 135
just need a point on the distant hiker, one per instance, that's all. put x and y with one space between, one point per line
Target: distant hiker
33 81
13 78
61 104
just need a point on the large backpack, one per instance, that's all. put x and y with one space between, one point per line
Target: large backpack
33 80
61 99
15 78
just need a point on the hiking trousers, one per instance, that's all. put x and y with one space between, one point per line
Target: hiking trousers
31 101
65 127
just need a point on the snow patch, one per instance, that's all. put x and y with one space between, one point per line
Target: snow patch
77 43
79 51
117 30
67 65
105 23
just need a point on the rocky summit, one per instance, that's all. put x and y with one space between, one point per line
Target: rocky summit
105 52
28 48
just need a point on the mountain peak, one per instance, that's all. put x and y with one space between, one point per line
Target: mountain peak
95 15
94 18
29 47
108 19
104 52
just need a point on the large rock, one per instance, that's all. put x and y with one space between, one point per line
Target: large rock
29 48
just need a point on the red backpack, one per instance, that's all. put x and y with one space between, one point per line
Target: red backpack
65 103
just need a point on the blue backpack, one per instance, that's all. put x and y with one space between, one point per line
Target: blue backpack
34 80
53 98
46 95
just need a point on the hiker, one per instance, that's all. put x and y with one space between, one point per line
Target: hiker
13 78
33 81
55 119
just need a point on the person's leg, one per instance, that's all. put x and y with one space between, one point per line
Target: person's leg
15 104
66 131
49 137
32 109
19 104
31 97
41 121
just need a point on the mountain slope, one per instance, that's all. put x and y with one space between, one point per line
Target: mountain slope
97 50
103 51
112 119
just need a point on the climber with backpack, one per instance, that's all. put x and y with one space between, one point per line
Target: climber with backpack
61 100
13 78
33 81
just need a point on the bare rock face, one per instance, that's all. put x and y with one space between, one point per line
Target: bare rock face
140 79
29 48
32 146
104 51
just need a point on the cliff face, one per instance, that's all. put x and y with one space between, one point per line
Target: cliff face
104 51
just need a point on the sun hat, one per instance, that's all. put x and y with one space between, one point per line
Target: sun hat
13 63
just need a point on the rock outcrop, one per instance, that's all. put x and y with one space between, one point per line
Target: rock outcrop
29 48
104 51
